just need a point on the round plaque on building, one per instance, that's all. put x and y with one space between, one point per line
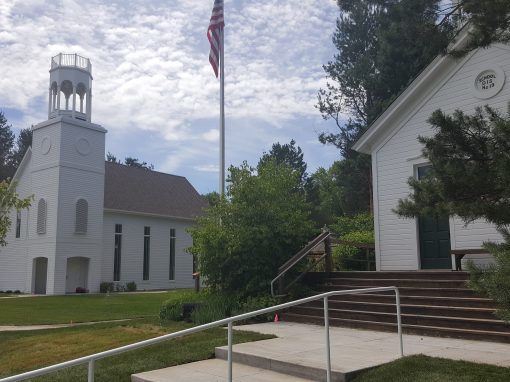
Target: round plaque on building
45 145
489 82
82 146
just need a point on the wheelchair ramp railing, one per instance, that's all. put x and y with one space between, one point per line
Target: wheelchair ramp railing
90 359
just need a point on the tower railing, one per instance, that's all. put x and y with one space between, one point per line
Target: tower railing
71 61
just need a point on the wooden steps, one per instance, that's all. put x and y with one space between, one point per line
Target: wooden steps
432 303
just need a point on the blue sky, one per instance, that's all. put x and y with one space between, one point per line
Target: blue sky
154 90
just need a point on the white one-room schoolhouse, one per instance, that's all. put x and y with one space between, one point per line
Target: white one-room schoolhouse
477 79
92 221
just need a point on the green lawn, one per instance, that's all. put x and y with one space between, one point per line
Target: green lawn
23 351
427 369
81 308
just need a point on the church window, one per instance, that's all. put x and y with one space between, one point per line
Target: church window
41 216
18 224
172 254
117 252
146 251
82 216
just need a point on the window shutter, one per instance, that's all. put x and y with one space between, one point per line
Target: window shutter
41 216
82 215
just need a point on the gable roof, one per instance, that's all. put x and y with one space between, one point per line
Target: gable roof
434 75
24 162
137 190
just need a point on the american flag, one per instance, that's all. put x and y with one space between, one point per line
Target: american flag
213 34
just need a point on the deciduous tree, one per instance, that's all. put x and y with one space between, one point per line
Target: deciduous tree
262 222
9 200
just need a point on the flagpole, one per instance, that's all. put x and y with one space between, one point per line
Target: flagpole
222 117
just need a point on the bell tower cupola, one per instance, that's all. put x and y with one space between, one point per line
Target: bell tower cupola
70 92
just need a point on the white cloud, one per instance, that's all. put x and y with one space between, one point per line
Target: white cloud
151 70
207 168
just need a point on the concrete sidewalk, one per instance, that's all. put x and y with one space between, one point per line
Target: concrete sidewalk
16 328
299 352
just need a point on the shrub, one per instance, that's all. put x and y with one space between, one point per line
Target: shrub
214 307
131 286
356 223
358 229
8 291
494 281
347 257
17 291
256 303
172 309
120 287
106 287
81 290
300 290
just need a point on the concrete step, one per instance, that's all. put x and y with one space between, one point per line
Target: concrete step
433 331
214 370
422 310
297 368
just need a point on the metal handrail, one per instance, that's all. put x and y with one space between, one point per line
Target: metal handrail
287 266
90 359
304 251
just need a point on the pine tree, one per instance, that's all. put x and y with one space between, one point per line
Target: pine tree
288 154
470 178
23 142
488 19
382 45
6 148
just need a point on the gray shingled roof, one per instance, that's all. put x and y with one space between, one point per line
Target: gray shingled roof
140 190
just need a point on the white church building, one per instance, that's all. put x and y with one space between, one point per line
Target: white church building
92 221
479 78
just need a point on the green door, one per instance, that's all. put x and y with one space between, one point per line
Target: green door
434 236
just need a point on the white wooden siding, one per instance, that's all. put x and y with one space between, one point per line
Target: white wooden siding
13 258
395 159
62 177
132 251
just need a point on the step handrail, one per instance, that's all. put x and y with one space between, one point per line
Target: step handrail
289 264
90 359
304 251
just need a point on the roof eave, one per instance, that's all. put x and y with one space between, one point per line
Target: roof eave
22 165
172 217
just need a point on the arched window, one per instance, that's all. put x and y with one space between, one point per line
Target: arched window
82 216
41 216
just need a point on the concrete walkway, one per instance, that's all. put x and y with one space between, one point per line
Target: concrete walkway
299 351
15 328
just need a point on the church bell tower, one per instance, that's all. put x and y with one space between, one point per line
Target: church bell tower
70 92
67 174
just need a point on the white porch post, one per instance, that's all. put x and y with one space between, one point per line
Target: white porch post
89 105
50 98
74 99
58 97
